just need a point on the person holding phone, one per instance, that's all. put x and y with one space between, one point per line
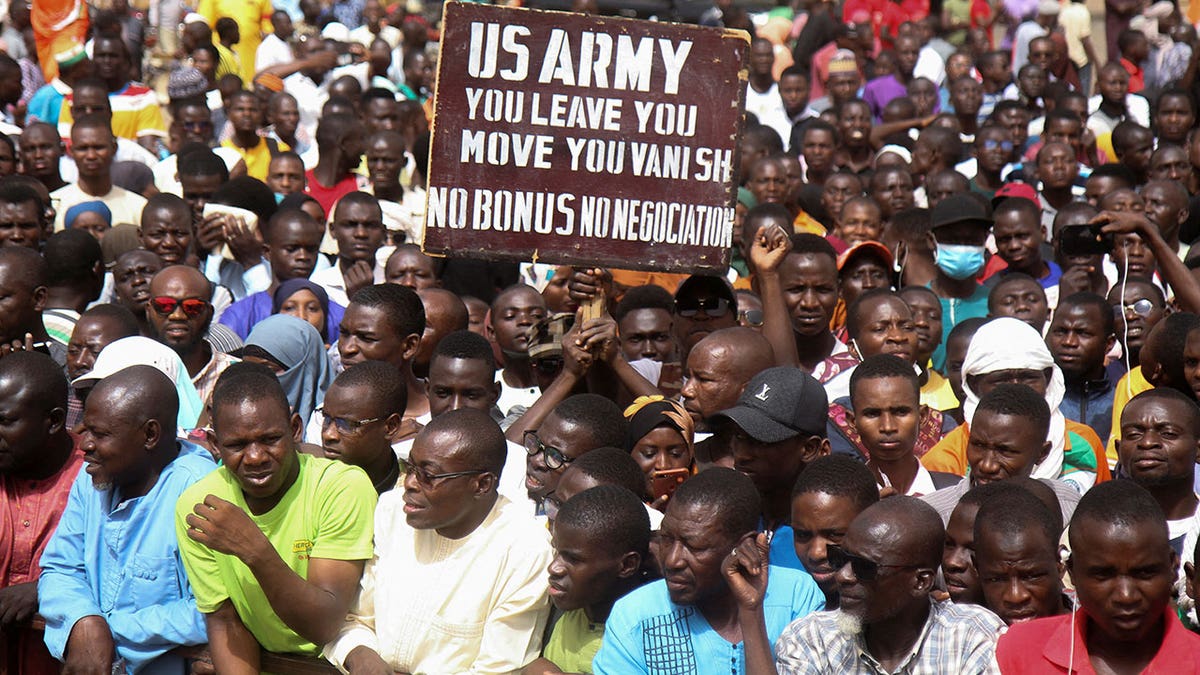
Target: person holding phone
660 438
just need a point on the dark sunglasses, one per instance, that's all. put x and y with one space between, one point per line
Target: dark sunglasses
713 307
165 305
863 568
751 317
554 457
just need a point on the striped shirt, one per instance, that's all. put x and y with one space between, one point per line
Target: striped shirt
135 109
959 639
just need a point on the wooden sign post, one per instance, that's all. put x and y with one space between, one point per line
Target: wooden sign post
584 140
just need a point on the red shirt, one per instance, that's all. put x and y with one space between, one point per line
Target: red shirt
1047 646
328 196
29 514
864 11
1137 76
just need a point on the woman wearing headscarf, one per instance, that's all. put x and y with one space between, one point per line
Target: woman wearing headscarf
309 302
141 351
93 217
294 350
1010 350
660 438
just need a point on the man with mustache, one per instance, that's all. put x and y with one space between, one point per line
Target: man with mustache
886 565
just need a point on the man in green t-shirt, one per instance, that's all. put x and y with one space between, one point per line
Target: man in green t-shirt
274 541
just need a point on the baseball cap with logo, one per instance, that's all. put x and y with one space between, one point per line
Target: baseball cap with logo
778 404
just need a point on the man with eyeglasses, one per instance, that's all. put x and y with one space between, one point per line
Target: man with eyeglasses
361 417
578 425
180 314
458 581
274 541
993 150
703 304
886 622
91 98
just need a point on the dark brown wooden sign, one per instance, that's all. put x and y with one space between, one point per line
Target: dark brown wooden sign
576 139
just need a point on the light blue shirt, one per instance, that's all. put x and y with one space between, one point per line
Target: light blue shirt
120 560
647 633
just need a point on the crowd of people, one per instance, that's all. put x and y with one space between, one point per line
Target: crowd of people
939 416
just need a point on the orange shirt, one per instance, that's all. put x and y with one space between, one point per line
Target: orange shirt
950 454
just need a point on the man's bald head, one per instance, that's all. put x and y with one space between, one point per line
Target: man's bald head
141 394
908 528
477 439
192 277
749 353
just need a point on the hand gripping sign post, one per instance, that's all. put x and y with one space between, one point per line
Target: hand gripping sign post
584 140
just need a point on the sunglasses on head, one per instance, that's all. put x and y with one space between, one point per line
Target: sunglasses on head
713 307
166 305
864 569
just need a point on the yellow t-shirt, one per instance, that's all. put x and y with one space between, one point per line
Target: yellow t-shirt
937 392
329 512
1131 384
258 158
574 642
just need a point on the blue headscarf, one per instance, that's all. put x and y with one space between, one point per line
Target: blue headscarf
88 207
298 347
289 288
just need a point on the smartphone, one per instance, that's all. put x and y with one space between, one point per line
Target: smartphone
1084 240
663 483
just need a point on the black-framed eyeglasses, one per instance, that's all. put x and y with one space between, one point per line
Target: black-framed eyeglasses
551 504
864 569
342 424
751 317
555 459
713 307
427 479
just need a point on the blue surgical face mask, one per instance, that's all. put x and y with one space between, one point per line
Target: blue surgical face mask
959 261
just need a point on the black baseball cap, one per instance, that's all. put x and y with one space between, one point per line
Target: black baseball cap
780 403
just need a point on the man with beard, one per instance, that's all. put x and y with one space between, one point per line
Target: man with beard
886 565
693 620
180 314
113 590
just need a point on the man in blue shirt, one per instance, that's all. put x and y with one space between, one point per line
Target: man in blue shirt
690 621
113 589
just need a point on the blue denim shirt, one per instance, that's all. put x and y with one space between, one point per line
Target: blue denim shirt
120 560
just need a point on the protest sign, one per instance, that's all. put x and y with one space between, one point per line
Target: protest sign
577 139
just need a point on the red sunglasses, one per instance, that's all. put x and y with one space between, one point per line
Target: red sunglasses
165 305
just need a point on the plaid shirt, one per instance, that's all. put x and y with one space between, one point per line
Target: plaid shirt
959 639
